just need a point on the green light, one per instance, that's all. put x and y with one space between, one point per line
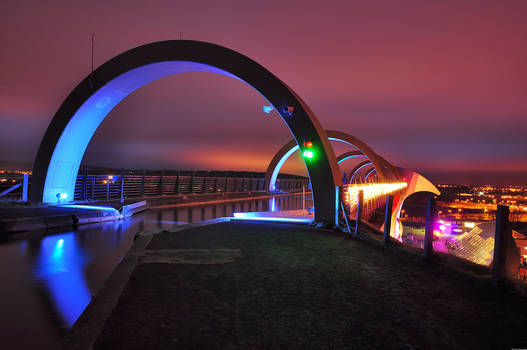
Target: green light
308 154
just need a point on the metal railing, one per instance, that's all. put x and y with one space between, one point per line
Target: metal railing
307 199
97 187
14 187
491 245
105 187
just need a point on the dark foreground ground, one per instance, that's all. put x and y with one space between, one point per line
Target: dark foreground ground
267 286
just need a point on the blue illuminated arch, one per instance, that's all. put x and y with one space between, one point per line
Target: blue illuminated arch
350 157
390 169
281 162
364 150
369 173
63 146
357 169
271 184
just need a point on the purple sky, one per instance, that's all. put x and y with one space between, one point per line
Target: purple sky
436 86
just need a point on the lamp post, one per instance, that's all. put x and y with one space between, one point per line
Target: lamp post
110 178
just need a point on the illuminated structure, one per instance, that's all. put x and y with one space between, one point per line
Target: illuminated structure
63 146
394 173
371 191
364 151
392 180
416 183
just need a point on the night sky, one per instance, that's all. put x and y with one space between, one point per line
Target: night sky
436 86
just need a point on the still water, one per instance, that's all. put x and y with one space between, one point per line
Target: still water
48 278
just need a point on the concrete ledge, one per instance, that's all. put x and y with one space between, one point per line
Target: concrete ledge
25 224
59 221
46 222
93 219
88 326
36 223
132 209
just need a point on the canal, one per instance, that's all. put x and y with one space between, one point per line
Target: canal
48 278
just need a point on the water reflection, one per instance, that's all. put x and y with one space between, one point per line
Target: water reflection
48 278
59 266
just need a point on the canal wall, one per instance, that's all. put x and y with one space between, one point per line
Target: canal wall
24 217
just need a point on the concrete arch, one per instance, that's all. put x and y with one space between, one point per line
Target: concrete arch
416 183
393 172
369 173
290 147
349 155
364 148
65 141
357 168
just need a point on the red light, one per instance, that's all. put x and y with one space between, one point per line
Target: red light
308 144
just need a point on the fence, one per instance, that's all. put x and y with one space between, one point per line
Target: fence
492 245
102 187
14 187
369 197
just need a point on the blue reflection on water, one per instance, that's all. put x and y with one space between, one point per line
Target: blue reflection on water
60 266
69 267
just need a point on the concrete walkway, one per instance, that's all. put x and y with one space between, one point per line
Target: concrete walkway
240 285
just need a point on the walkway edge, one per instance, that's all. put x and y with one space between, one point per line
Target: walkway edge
86 330
89 325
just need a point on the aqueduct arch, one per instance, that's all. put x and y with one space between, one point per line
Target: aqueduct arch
357 168
349 155
69 133
379 163
416 182
393 172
